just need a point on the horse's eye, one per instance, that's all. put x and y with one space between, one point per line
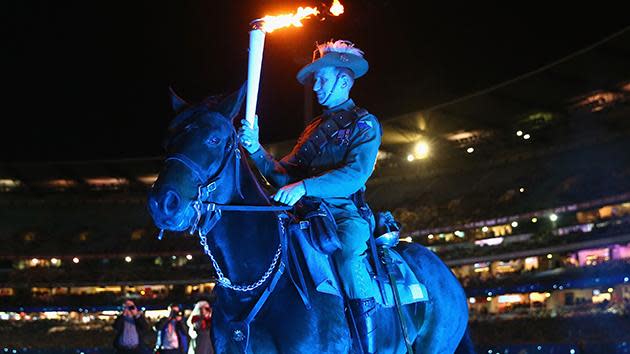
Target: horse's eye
213 140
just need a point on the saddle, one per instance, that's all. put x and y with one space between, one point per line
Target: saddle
314 236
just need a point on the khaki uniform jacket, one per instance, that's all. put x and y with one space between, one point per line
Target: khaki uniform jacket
339 170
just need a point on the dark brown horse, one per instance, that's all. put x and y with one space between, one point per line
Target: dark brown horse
203 170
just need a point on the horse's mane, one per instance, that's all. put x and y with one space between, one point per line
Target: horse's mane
262 187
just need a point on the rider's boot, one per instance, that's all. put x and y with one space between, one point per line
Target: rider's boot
364 312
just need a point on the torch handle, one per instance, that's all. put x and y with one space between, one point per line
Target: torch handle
254 65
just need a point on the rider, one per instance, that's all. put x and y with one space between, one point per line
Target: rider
332 160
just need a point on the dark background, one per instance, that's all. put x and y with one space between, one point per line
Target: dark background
89 79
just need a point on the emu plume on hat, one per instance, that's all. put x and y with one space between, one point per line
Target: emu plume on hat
340 53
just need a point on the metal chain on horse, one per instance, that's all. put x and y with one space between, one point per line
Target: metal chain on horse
197 205
223 280
226 282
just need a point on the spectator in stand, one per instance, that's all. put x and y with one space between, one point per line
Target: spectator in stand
130 327
172 332
200 324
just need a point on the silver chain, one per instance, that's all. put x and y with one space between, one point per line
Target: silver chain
225 282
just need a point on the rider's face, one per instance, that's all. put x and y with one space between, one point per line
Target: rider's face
328 94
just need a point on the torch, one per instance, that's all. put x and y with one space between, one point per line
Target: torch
254 64
258 29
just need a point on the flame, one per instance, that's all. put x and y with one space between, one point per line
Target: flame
336 8
272 23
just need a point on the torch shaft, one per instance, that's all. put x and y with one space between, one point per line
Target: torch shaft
254 64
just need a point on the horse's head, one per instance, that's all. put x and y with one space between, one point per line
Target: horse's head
199 145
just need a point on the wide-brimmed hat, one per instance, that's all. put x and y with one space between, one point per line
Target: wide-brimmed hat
339 53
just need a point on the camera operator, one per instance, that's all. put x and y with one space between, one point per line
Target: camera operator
172 332
130 327
200 327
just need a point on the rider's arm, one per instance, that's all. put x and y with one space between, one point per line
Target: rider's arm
359 163
279 173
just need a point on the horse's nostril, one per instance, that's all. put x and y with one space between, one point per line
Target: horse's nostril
170 202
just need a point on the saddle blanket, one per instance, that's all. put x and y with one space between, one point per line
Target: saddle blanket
321 273
409 288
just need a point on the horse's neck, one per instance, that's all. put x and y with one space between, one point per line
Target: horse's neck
238 185
246 241
253 193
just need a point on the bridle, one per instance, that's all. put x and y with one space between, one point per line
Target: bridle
207 183
204 206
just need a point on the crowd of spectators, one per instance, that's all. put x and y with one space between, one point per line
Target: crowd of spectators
130 332
581 307
477 194
600 328
567 273
538 240
594 327
104 273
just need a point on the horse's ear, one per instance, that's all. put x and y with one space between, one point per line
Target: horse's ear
177 102
231 105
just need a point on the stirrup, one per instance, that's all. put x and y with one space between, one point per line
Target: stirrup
388 230
388 239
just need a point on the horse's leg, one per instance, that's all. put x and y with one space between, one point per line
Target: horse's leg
294 329
262 341
466 345
446 312
389 338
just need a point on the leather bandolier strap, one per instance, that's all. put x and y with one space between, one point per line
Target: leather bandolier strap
325 132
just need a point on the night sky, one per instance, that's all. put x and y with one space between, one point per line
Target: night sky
88 80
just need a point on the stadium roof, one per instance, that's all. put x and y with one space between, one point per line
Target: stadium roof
585 80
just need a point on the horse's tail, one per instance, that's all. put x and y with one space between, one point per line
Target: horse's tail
466 345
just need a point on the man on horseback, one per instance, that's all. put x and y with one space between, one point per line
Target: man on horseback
332 160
